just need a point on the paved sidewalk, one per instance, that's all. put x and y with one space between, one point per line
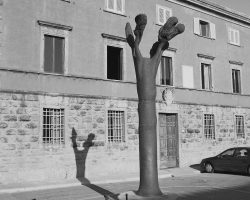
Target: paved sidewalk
42 185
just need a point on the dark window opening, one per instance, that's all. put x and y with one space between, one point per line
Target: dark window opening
204 28
54 54
236 81
206 76
114 63
166 71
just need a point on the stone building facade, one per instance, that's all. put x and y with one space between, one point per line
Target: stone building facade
202 101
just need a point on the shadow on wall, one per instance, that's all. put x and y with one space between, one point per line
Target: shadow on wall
80 158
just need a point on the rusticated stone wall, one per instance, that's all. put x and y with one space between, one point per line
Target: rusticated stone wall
23 157
193 144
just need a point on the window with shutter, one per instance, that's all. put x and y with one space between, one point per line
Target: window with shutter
115 6
119 5
204 28
162 14
233 36
212 31
197 26
111 4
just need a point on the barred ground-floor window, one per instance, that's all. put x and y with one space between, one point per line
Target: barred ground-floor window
53 126
116 126
209 126
239 126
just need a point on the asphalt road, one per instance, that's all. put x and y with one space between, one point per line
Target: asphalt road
197 187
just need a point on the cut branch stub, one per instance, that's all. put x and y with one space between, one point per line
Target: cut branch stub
141 22
170 29
129 35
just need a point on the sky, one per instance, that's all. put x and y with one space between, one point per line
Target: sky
242 6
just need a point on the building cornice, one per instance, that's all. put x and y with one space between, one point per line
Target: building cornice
218 9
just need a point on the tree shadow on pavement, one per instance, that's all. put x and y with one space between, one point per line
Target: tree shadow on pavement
80 158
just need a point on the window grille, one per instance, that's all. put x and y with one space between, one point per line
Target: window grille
53 126
209 127
116 126
239 126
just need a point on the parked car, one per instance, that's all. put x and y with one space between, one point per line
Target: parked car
231 160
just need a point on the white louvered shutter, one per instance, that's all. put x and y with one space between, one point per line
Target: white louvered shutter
230 35
237 37
119 6
197 26
161 15
213 31
111 4
167 15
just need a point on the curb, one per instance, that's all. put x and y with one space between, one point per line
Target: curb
56 186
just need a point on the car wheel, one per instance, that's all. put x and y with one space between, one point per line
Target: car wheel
209 168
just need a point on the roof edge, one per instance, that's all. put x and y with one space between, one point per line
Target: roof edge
216 8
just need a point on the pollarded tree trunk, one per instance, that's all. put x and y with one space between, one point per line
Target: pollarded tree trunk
146 70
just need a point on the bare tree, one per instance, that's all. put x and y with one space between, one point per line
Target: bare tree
146 70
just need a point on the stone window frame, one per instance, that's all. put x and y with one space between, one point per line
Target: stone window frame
57 30
236 36
197 29
165 9
244 125
54 102
214 127
115 41
235 65
167 53
115 11
49 145
208 60
125 126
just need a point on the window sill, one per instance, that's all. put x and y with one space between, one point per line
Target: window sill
208 90
158 24
55 74
205 37
67 1
116 13
237 93
237 45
